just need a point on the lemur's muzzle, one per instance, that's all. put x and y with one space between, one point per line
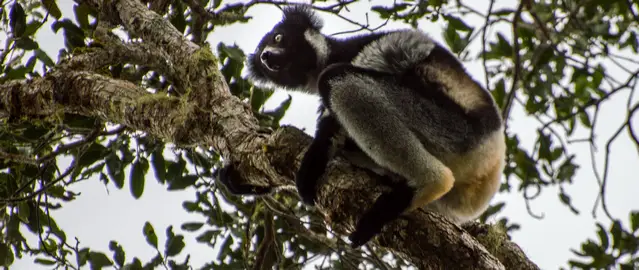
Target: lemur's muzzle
272 58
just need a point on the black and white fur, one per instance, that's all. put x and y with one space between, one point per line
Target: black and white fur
406 105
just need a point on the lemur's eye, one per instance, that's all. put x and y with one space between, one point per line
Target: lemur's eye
278 38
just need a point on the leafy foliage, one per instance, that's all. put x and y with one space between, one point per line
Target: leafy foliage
616 247
549 64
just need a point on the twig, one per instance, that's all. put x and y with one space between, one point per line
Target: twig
594 102
517 62
483 42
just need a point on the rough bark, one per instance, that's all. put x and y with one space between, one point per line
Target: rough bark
208 115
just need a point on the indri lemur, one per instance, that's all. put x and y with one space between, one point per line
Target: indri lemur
406 108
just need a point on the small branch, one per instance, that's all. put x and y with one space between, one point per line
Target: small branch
61 177
516 61
594 102
631 129
66 147
265 250
606 165
483 44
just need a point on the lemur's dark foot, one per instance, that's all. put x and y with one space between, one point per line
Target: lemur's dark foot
388 207
229 176
312 169
307 179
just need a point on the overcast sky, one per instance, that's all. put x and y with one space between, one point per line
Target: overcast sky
103 213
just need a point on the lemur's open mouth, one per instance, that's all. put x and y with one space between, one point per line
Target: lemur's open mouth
272 59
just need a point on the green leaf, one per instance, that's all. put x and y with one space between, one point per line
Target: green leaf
494 209
82 12
94 153
24 211
207 236
79 121
183 182
159 166
584 118
51 7
590 248
234 52
555 154
503 12
201 160
174 245
32 28
603 236
634 221
545 143
225 248
504 46
175 169
49 245
452 38
26 44
499 93
82 256
44 261
542 56
615 231
581 265
150 235
115 170
98 260
6 255
104 179
155 262
259 97
567 170
192 226
190 206
31 63
18 72
136 264
565 199
74 36
118 253
457 24
17 20
138 171
388 12
42 56
279 112
597 76
177 18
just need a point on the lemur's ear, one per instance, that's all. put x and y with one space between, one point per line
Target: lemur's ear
302 16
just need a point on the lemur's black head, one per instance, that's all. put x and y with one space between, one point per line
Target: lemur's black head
289 53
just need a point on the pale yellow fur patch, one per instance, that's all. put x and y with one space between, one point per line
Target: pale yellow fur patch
461 88
430 193
477 177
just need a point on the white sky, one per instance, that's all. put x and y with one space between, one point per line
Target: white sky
103 214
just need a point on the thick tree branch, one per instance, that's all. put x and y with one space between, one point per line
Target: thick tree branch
225 126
